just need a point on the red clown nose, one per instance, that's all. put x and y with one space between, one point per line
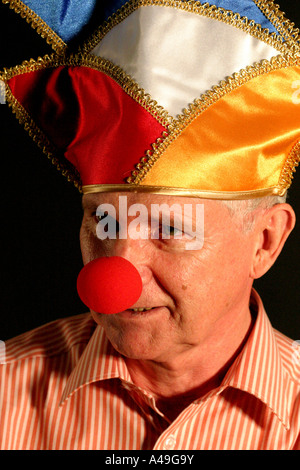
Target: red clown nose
109 285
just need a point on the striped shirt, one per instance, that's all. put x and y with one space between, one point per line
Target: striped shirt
63 386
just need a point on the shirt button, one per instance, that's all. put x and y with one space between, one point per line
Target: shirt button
170 443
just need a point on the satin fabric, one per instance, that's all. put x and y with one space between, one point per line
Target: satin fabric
151 46
240 143
68 17
65 17
249 9
101 130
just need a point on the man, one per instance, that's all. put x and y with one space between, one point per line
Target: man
199 367
200 317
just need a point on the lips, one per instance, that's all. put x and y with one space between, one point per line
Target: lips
140 312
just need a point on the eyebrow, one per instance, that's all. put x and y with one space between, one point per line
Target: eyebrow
89 203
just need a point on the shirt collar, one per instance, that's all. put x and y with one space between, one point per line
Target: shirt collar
257 370
99 361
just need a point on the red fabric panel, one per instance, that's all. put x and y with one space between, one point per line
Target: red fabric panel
102 131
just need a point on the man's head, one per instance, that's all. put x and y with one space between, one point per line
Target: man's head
197 294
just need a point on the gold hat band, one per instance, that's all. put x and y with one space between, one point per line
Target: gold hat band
168 191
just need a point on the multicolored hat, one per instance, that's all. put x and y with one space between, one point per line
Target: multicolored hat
165 96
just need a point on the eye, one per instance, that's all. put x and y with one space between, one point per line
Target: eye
168 231
98 217
107 221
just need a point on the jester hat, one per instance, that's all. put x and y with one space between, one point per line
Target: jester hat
164 96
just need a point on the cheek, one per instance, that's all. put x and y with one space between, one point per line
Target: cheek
230 272
84 244
206 274
179 275
90 245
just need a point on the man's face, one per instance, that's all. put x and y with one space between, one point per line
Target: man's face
197 296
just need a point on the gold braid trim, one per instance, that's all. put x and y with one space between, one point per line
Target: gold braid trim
200 105
278 19
210 11
37 23
269 9
289 168
53 61
128 85
174 126
97 63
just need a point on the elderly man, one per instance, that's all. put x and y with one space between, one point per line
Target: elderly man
193 361
200 317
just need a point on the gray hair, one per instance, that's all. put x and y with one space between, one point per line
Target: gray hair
245 211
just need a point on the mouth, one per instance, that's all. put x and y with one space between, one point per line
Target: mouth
141 309
139 312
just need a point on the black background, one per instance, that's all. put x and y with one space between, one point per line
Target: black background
41 216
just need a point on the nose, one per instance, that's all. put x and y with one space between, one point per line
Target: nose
109 285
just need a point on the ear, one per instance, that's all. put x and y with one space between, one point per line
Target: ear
272 232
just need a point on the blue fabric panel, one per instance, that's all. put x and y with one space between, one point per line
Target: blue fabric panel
246 8
67 17
109 7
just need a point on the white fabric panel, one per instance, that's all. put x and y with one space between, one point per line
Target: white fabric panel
175 56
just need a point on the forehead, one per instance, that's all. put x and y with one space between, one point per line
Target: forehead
94 200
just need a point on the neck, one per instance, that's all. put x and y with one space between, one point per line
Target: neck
180 380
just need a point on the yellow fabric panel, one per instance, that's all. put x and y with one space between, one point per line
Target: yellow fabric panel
239 143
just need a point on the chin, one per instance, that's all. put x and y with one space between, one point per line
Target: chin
141 341
131 348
